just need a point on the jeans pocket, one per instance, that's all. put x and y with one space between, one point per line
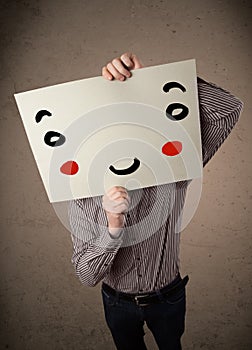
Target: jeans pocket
175 298
108 300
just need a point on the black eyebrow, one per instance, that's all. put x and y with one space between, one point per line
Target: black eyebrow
41 114
173 85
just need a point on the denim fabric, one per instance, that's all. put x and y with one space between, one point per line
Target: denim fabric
165 319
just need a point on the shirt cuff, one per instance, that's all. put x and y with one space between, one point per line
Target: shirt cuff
109 242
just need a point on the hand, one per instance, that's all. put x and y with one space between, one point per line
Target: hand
116 203
119 68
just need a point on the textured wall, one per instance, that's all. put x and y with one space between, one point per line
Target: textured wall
43 306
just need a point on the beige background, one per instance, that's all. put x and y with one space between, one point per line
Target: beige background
43 306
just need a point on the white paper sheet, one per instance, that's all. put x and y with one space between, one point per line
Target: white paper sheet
114 133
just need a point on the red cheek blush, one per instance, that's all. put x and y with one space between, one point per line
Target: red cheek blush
172 148
69 168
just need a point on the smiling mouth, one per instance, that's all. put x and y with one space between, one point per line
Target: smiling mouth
127 171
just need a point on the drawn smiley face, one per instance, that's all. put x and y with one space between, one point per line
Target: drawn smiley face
70 167
95 134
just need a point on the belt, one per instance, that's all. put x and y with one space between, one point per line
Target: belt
151 297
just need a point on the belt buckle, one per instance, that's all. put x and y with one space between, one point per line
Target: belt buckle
137 297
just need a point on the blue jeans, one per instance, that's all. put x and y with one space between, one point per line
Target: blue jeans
165 319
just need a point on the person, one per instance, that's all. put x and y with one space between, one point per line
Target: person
141 282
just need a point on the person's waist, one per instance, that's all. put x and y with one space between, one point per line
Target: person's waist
177 284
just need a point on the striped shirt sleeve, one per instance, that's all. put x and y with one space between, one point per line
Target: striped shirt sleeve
219 112
93 248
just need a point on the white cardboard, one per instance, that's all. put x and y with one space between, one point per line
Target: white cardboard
111 123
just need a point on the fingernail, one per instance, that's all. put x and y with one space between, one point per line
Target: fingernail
122 78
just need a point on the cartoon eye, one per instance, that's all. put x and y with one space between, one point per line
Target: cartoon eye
41 114
54 139
171 111
175 111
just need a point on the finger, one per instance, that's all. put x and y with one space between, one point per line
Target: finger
106 74
119 209
118 64
131 60
126 59
122 209
119 195
116 199
115 189
116 207
108 203
117 204
114 72
137 63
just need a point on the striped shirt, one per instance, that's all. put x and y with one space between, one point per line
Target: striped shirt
145 257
